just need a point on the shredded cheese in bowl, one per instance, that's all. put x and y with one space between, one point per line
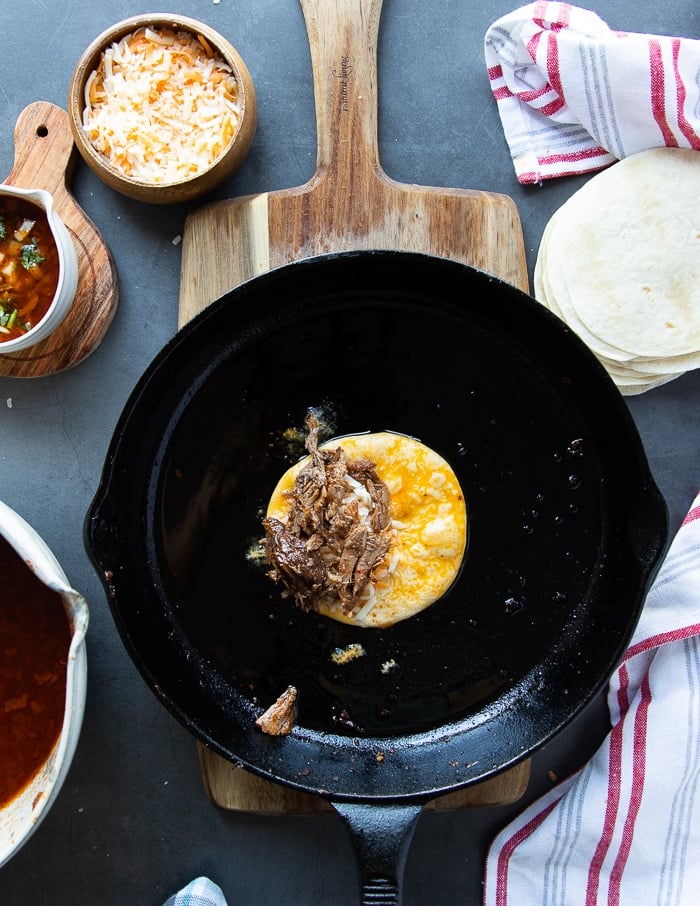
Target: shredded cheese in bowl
161 106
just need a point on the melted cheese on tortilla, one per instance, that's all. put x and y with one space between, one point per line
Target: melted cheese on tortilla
429 517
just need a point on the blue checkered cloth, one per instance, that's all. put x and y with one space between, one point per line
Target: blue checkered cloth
200 892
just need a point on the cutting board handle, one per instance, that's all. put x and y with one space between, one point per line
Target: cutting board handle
44 151
343 43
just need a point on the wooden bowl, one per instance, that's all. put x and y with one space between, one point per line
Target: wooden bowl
205 179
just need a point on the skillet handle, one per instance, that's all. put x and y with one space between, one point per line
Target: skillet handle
381 837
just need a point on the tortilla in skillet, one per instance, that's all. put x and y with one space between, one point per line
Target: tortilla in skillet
410 557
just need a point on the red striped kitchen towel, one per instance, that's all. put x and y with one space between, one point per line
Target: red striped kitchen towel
625 829
574 95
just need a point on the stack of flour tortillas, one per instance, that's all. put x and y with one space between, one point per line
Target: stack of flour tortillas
619 263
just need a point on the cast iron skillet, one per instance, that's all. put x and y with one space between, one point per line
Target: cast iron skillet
566 529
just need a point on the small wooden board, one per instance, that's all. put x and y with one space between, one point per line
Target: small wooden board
44 158
349 203
236 789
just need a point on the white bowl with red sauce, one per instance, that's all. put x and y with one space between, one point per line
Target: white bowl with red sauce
38 268
43 679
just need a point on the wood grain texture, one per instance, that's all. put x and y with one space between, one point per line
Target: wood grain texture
44 158
234 788
349 203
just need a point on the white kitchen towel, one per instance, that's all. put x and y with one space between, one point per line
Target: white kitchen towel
200 892
574 96
625 829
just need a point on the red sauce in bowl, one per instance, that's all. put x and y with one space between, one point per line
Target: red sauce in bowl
28 266
34 640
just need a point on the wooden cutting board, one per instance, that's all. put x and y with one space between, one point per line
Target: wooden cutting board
44 159
349 203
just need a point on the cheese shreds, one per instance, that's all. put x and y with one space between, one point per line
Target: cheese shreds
161 106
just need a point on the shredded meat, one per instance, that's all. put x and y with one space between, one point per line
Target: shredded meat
326 548
279 718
